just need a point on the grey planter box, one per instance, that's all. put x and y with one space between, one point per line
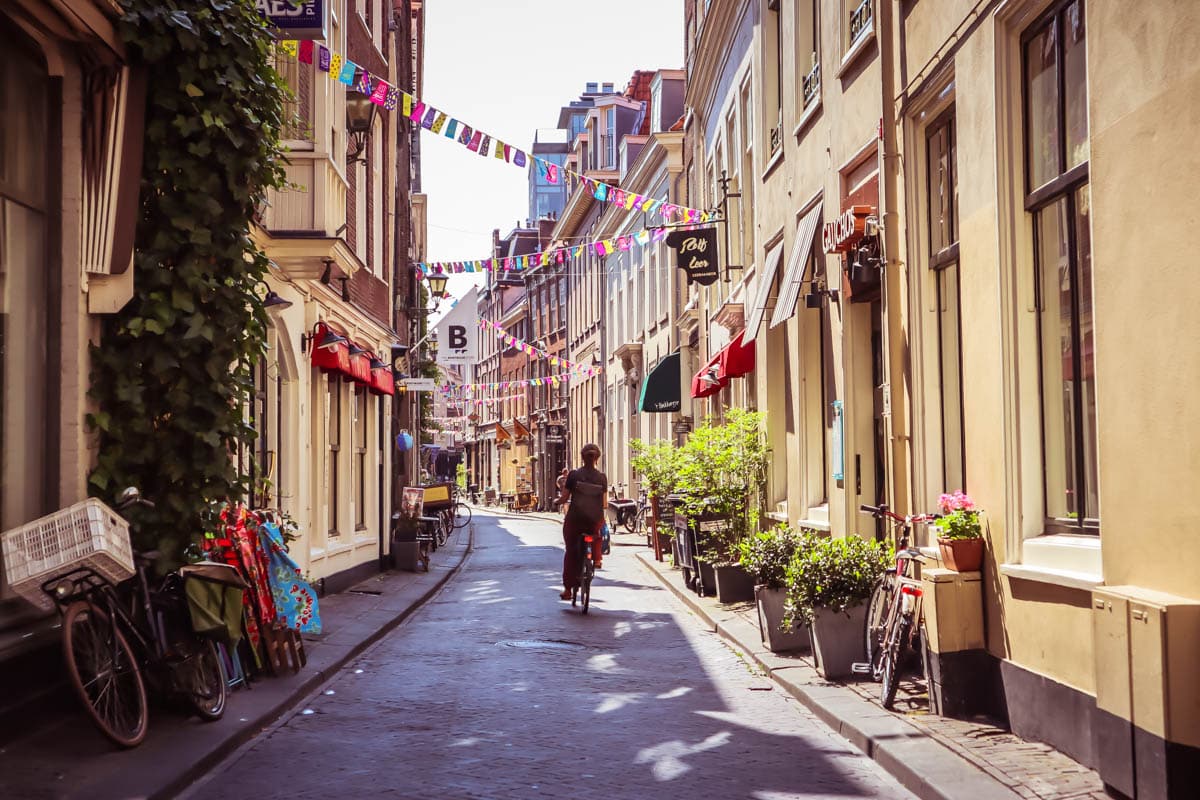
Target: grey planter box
734 584
406 555
706 578
770 620
838 640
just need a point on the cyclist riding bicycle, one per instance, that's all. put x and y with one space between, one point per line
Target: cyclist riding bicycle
587 489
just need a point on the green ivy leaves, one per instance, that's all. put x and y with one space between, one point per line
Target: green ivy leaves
171 375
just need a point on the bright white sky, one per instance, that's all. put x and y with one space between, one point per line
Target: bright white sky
506 68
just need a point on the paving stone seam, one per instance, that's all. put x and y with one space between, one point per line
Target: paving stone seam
319 677
887 754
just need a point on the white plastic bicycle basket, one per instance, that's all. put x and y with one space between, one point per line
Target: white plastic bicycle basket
88 534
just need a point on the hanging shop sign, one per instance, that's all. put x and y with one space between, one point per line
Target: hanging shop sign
555 434
458 334
844 233
696 254
295 19
419 384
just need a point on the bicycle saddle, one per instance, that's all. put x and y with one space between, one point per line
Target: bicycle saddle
147 556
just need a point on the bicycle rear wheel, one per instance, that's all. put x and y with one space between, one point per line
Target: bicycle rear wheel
105 674
462 514
207 689
893 653
876 622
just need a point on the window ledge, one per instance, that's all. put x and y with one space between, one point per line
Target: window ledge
814 524
1058 577
774 162
859 47
777 516
1065 552
807 116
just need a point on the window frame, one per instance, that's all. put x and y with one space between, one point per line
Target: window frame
940 262
1037 200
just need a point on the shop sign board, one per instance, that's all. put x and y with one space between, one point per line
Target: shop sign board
844 233
696 254
294 19
419 384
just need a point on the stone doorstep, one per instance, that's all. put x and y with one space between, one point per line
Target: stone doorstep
923 765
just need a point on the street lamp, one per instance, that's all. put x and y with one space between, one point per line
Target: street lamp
437 285
360 116
272 301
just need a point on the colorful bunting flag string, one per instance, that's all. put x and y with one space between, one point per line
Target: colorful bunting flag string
504 386
554 256
339 68
534 352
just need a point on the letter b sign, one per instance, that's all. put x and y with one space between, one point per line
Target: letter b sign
458 337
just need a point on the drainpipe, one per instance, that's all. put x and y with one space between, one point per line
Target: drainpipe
895 287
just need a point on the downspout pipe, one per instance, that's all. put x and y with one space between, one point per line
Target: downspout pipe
895 284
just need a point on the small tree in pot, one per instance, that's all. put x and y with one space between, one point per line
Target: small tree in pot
658 464
828 584
766 555
722 475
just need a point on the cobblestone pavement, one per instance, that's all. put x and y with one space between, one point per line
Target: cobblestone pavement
496 689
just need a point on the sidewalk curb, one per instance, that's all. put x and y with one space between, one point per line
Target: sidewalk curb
252 727
922 765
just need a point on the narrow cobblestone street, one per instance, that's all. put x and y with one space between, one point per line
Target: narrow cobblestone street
497 689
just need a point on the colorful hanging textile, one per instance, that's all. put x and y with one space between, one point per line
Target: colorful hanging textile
295 600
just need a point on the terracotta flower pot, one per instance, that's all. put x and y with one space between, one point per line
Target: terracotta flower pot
962 555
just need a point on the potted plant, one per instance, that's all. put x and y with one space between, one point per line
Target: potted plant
766 555
828 584
657 463
721 477
960 533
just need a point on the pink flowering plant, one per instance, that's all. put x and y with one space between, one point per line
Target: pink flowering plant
960 517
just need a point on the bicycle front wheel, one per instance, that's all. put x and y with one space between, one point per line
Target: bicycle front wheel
207 689
462 515
893 653
876 623
105 674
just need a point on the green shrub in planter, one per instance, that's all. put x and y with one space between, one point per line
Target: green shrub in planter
833 574
766 554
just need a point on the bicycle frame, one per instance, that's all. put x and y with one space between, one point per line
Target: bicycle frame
97 591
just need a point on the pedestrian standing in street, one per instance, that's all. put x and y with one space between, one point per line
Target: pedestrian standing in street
559 485
586 489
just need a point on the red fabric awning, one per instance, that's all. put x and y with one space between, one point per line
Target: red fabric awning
705 383
334 358
736 359
383 381
360 368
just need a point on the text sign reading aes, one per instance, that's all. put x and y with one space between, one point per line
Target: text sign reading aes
696 254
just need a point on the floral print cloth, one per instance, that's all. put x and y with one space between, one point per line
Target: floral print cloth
295 600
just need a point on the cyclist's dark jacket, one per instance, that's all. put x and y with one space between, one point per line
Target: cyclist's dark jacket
588 487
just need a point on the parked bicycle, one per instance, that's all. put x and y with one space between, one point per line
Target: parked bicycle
582 594
116 638
623 510
894 618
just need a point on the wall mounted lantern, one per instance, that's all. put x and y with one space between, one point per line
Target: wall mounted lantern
360 117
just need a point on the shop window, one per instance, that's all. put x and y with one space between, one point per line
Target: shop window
942 190
360 457
25 265
1056 149
333 438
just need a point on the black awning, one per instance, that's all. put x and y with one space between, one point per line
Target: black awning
661 391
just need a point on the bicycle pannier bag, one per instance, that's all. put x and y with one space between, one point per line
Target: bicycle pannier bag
588 499
214 598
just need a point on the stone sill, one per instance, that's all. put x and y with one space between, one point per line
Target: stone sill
1058 577
859 47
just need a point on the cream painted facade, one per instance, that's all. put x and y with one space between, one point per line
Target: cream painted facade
1027 334
643 291
327 442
